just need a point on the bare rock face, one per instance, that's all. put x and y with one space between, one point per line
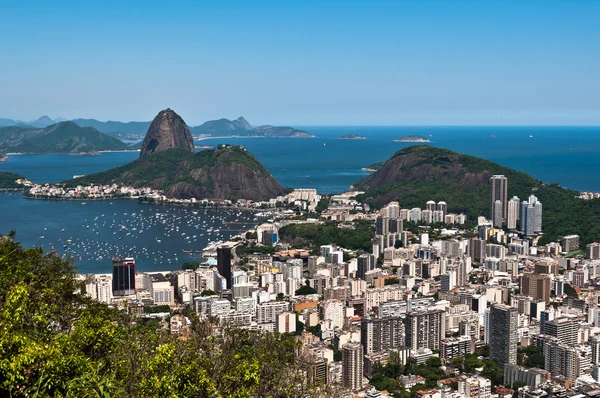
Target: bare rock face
168 130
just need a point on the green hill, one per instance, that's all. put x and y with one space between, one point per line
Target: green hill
420 173
7 180
64 137
227 172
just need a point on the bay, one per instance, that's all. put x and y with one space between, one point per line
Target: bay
569 156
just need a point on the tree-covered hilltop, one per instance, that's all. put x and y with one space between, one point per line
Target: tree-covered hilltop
420 173
226 172
356 236
64 137
57 342
8 180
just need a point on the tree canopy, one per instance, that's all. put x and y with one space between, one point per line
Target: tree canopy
57 342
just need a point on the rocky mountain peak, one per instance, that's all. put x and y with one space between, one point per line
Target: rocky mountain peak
167 130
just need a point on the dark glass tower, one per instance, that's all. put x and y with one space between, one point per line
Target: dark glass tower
123 273
224 256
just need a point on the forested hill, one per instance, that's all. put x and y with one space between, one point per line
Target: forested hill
420 173
8 180
64 137
226 172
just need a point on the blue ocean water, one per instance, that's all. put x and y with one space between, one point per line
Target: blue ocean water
569 156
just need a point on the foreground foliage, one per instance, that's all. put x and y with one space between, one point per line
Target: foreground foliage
55 342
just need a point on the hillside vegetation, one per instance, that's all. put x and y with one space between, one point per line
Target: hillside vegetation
227 172
7 180
417 174
64 137
57 342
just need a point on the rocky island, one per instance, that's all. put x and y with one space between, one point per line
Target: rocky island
350 137
413 138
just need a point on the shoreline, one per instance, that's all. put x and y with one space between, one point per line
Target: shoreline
164 202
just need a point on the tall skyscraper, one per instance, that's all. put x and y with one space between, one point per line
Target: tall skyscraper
531 216
477 250
224 257
381 334
513 212
498 214
123 280
430 205
352 365
443 207
364 264
498 191
425 328
503 334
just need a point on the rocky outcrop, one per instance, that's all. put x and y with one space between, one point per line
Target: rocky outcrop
226 172
167 131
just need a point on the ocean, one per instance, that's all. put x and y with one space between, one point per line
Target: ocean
569 156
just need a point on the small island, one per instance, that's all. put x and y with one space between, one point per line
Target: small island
350 137
413 138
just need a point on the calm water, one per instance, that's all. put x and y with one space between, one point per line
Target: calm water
95 232
569 156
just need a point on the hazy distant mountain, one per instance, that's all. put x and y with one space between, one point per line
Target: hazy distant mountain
64 137
8 122
42 122
241 127
115 129
216 128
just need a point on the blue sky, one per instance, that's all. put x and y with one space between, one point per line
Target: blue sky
304 62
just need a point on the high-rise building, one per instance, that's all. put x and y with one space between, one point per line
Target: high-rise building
497 220
498 191
317 370
381 334
443 207
352 365
123 279
569 243
364 264
477 250
536 286
425 328
564 329
503 334
513 212
224 257
531 216
430 205
592 251
382 225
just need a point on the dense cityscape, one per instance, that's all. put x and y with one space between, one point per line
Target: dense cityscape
483 308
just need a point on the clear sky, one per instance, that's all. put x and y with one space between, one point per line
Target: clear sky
304 62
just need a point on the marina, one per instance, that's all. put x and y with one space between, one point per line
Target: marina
91 233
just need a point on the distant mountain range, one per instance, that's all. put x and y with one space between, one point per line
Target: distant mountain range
63 137
213 128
